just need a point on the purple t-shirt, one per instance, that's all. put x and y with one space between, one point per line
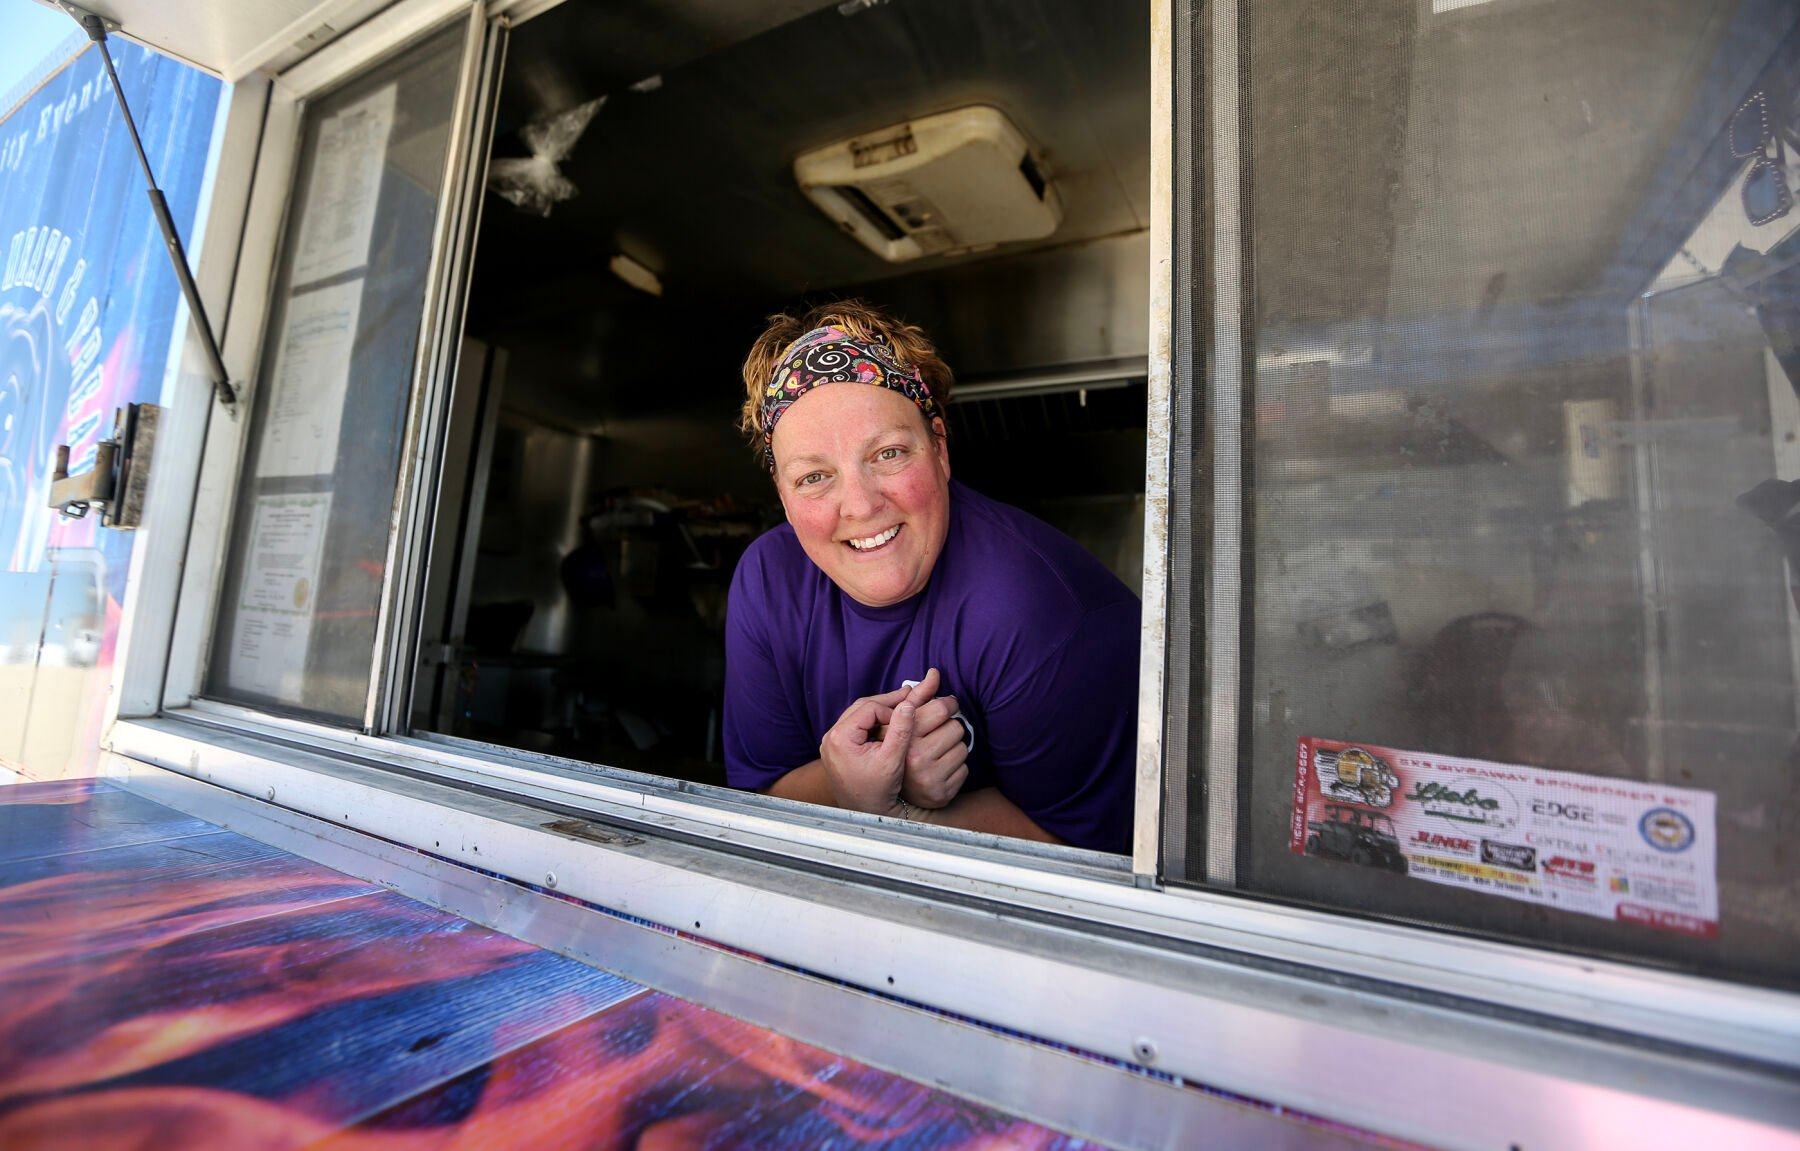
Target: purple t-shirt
1035 638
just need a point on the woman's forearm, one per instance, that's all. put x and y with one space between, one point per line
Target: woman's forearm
987 810
806 783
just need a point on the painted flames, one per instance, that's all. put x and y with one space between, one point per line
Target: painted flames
164 983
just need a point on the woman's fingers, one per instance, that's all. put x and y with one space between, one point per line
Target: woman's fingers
930 746
867 773
869 712
935 756
926 687
946 766
900 732
868 719
937 713
953 783
866 716
856 724
933 782
933 712
889 698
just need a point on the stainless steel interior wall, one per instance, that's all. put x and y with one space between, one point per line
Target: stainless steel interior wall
1077 303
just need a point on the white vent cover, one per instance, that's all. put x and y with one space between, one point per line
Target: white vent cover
940 185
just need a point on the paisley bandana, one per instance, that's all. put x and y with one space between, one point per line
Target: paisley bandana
833 356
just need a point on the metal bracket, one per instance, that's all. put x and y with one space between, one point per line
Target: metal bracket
82 15
120 478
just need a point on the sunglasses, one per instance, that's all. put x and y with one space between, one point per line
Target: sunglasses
1753 131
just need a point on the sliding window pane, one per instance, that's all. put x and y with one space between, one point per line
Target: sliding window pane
308 553
1521 521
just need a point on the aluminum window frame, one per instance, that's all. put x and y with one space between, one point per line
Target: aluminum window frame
1728 1020
1227 261
200 738
448 284
1163 603
147 629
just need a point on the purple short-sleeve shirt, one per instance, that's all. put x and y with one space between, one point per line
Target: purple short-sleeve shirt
1035 638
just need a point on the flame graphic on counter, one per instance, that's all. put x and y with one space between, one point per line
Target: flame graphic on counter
202 990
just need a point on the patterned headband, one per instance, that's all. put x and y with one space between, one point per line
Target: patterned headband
833 356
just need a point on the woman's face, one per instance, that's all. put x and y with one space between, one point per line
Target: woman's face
866 486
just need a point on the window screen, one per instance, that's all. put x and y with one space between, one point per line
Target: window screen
1520 474
308 552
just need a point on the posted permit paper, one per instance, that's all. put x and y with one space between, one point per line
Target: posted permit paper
273 625
345 188
312 380
1615 848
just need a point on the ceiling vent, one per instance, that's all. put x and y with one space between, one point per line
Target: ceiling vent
956 182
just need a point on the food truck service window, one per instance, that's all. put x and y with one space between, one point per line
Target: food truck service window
596 494
473 511
1478 608
1500 403
1428 370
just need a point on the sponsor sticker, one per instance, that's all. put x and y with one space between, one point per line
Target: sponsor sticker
1513 855
1667 830
1562 869
1616 848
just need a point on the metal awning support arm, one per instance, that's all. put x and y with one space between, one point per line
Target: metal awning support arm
96 29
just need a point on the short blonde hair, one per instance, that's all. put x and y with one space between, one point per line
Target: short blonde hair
863 321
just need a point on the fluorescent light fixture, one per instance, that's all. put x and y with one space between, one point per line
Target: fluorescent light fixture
635 274
1439 7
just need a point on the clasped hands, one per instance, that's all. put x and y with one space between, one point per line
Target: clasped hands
905 744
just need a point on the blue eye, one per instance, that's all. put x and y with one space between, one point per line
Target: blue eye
809 479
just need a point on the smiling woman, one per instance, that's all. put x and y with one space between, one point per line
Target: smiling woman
903 645
866 487
858 467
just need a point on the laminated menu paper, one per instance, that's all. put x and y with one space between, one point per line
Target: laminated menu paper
272 627
311 382
1616 848
345 188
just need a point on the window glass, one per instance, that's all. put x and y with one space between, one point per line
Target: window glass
309 545
1521 515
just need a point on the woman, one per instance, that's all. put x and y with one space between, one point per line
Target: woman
904 645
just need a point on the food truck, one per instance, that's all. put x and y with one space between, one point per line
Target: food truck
1430 369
